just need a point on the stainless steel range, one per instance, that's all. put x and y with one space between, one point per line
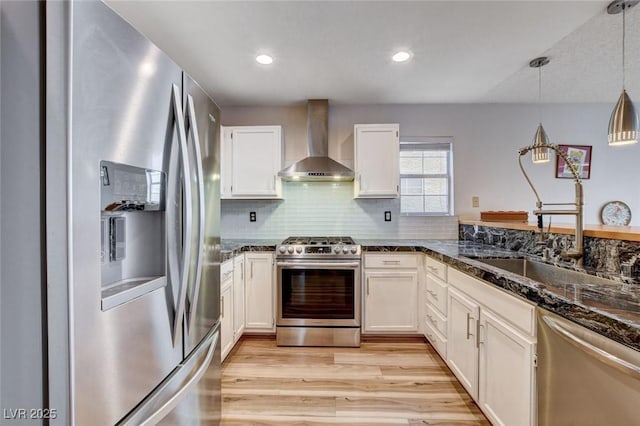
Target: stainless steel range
318 292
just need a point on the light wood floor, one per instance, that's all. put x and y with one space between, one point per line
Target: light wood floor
381 383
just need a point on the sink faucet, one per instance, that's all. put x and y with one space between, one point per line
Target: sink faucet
577 252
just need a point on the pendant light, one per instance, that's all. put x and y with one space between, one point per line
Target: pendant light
623 124
540 152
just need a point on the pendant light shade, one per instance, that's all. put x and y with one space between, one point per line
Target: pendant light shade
540 153
623 124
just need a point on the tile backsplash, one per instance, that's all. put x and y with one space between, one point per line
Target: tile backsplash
328 208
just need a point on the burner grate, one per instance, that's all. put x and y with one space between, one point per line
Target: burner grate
318 240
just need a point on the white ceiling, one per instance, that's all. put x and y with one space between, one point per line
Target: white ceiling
464 51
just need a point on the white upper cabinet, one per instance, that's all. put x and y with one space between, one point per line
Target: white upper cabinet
251 159
377 156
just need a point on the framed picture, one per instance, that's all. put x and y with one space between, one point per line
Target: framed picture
580 155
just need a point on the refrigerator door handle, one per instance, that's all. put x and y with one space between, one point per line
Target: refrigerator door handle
183 272
158 404
193 130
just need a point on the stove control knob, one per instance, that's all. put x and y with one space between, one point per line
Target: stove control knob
298 249
336 249
354 249
282 249
290 249
345 250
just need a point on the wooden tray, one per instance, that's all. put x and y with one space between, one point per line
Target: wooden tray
504 216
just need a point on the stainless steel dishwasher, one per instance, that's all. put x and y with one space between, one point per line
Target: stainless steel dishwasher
583 377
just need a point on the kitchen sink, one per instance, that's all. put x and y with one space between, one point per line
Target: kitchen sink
547 274
589 290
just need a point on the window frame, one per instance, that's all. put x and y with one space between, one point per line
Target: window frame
423 141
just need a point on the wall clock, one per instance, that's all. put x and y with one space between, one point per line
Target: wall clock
615 213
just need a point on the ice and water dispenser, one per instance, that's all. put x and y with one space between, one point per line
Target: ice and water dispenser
133 259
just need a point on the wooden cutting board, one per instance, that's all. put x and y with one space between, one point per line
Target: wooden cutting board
504 216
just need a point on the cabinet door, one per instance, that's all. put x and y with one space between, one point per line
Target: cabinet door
391 301
377 156
238 296
506 383
462 349
257 159
226 318
226 161
259 292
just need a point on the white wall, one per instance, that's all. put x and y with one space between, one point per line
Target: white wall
486 140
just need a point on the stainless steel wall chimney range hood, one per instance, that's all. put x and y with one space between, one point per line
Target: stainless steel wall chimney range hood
317 166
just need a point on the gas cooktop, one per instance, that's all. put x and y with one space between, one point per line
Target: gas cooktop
318 240
318 247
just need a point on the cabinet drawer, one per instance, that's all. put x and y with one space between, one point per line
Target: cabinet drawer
436 268
226 271
437 341
436 320
437 294
516 311
390 261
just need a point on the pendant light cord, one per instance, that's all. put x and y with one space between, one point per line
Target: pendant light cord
624 14
540 94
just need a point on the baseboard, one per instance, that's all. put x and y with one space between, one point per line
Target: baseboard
397 338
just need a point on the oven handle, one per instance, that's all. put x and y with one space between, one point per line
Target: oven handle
320 264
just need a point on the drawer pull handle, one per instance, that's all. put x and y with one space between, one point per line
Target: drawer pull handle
432 320
469 334
433 269
391 262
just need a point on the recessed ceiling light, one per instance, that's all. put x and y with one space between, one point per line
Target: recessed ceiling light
401 56
264 59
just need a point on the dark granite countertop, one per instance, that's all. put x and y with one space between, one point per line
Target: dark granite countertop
611 310
230 248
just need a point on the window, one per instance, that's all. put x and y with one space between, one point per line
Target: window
426 176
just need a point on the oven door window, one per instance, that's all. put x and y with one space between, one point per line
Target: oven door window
318 293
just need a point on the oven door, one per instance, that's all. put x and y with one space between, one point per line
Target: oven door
318 293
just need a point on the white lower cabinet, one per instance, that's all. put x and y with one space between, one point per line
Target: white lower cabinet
434 304
238 297
391 301
491 348
259 312
506 381
226 317
462 348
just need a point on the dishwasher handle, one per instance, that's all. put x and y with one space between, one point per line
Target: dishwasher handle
592 350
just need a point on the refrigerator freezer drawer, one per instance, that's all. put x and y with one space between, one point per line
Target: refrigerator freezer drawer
184 379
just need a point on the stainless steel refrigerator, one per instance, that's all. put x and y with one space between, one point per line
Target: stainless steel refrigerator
130 235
